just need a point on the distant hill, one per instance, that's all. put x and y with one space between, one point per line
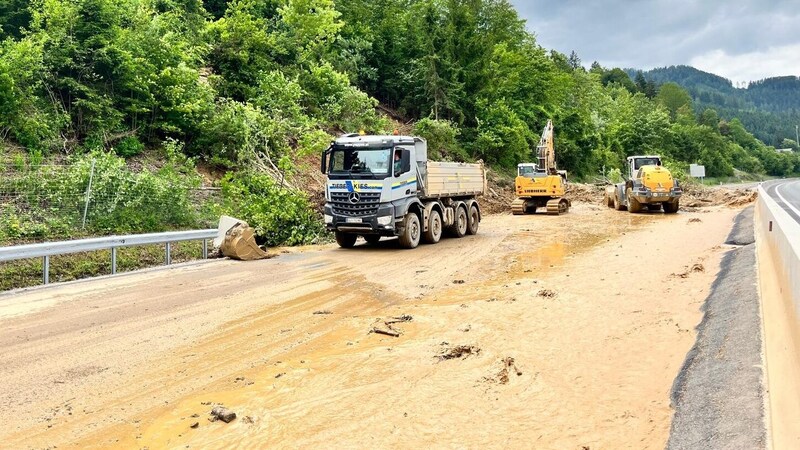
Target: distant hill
770 108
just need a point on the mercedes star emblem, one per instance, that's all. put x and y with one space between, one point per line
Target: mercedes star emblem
354 197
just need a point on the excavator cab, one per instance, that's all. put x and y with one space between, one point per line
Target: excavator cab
526 170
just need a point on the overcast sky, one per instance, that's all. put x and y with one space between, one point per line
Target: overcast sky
742 40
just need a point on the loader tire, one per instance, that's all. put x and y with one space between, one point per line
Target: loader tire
474 220
412 231
633 205
618 203
346 240
434 233
671 208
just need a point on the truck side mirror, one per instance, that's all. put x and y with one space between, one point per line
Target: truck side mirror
323 165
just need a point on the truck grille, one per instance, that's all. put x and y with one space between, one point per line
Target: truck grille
367 204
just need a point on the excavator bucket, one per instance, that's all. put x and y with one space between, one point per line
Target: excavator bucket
239 241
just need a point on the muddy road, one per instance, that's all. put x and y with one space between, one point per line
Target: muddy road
548 332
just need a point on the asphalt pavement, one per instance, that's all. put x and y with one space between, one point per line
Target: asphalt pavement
718 396
787 194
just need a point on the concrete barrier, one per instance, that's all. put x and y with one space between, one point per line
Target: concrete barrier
778 253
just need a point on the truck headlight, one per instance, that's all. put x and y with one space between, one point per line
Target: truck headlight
385 220
328 219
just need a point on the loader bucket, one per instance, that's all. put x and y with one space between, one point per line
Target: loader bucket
239 242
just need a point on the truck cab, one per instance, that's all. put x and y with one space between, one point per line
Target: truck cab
379 186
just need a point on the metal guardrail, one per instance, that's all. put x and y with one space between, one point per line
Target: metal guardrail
47 249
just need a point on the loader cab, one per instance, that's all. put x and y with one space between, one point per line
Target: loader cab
635 163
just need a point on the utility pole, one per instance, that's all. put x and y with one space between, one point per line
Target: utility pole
797 136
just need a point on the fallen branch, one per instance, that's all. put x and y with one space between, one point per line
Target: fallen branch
391 333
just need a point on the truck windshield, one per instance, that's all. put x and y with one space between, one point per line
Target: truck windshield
361 163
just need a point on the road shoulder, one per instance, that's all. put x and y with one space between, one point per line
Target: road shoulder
718 395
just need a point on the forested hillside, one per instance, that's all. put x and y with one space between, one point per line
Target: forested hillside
770 108
227 84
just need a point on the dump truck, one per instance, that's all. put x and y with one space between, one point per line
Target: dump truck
541 184
648 185
385 186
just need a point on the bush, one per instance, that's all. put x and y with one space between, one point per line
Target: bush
129 147
442 137
279 216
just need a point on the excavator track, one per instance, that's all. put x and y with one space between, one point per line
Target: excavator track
518 206
557 206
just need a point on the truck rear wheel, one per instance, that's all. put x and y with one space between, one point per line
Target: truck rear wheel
434 233
474 220
411 231
346 240
671 207
633 205
459 227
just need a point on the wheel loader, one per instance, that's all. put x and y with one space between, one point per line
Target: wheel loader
541 185
649 186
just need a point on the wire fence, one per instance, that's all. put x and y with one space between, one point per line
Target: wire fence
91 197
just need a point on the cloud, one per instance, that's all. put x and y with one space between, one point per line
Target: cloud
750 66
653 33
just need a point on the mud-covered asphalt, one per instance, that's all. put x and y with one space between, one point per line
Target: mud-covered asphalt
545 332
719 394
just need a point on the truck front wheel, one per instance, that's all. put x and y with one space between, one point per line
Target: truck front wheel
346 240
411 231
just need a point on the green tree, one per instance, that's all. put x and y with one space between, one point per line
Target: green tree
673 97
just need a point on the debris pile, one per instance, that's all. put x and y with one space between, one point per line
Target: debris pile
458 352
696 268
547 293
699 196
585 193
389 329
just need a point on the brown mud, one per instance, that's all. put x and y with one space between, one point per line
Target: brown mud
565 332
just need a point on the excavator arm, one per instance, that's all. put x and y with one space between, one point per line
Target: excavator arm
546 150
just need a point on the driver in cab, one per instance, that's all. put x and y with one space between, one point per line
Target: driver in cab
398 164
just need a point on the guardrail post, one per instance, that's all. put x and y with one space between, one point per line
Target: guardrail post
46 269
205 248
113 260
169 256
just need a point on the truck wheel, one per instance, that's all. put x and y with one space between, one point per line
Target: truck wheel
434 233
474 220
671 208
459 228
411 231
372 239
346 240
633 205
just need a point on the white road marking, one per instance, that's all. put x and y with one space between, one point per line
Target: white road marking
786 202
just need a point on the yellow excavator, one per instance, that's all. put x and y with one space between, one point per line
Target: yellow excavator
541 184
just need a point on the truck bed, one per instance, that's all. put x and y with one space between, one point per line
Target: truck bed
451 179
